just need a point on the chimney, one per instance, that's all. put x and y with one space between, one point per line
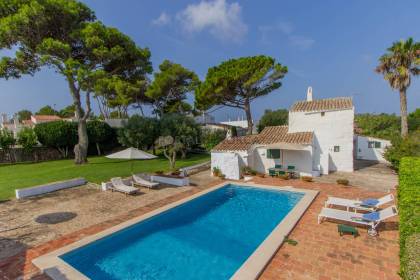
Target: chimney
16 120
4 118
309 94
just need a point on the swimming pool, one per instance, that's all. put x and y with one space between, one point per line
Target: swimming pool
208 237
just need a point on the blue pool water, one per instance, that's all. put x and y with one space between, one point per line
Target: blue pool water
209 237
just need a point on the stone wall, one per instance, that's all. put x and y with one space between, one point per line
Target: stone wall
38 154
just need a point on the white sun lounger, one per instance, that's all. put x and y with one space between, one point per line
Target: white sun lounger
120 186
143 182
366 205
372 219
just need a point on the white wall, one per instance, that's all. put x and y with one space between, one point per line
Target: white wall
335 128
301 159
230 163
364 152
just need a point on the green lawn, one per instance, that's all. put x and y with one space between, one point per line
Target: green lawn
98 170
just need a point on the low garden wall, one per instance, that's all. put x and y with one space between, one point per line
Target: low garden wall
409 212
16 155
41 189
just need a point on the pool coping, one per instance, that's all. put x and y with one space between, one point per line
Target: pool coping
52 265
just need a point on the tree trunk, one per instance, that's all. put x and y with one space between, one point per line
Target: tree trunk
80 150
403 107
173 161
183 153
247 109
98 149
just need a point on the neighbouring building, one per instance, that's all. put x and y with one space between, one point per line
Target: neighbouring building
318 139
370 148
204 118
37 119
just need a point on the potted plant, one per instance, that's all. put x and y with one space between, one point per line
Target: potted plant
343 182
216 171
306 178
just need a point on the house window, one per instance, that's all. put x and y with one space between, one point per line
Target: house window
322 114
273 153
374 144
336 149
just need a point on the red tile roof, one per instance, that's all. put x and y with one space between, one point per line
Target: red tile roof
46 118
269 135
329 104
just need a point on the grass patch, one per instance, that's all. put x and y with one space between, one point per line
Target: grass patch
98 170
409 212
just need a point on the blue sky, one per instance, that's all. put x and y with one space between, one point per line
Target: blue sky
330 45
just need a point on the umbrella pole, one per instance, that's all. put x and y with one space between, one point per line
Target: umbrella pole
131 166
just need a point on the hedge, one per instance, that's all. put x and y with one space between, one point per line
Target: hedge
409 212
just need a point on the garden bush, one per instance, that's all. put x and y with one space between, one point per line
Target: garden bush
27 139
306 178
101 137
61 135
409 212
343 182
407 147
210 138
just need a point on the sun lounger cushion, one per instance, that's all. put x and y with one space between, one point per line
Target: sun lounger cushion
371 217
369 202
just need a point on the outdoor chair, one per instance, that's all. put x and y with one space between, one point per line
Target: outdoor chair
119 185
369 204
137 180
272 172
372 219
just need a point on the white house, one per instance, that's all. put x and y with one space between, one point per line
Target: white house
318 139
370 148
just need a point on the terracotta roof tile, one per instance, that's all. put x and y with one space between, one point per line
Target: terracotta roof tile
338 103
241 143
279 134
270 135
46 118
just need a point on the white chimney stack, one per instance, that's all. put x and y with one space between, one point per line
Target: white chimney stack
4 118
309 94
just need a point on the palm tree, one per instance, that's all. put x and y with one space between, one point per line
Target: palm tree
398 65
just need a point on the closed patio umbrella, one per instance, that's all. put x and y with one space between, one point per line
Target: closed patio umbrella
131 154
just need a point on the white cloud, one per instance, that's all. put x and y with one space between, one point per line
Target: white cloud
301 42
163 19
268 32
221 19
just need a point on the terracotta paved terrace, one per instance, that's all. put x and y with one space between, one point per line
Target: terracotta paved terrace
320 253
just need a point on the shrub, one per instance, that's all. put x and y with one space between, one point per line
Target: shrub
6 139
139 132
101 135
409 208
27 139
159 172
412 249
211 137
306 178
343 182
6 142
407 147
216 171
271 118
284 177
246 170
61 135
